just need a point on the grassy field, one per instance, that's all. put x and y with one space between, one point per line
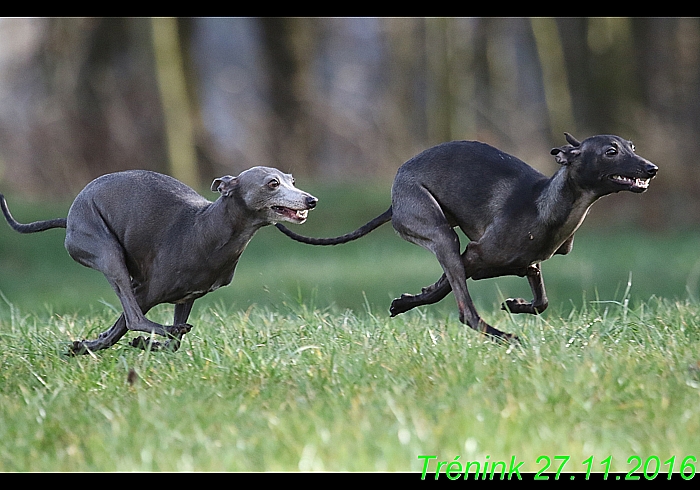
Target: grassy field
297 366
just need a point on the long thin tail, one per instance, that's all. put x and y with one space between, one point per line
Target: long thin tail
360 232
30 227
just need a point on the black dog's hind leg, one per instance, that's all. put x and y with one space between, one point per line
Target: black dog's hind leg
179 328
428 295
539 302
422 221
437 291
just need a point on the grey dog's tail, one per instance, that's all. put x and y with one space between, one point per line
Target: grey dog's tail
360 232
30 227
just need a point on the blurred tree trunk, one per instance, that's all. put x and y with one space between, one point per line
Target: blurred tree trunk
508 95
573 32
667 60
440 73
288 50
482 94
175 100
667 64
91 105
555 82
404 115
206 161
597 53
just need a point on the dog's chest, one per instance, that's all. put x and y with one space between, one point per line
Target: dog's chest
199 292
551 230
544 243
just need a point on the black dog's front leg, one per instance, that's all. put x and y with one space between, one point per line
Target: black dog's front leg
539 302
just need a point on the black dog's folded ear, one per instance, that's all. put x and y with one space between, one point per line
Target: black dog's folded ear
571 140
225 185
564 155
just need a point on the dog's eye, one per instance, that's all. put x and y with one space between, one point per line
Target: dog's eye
634 148
273 184
611 152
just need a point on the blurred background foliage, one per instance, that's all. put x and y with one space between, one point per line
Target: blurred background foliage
342 103
344 99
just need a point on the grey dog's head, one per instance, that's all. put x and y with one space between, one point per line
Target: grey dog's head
269 192
606 164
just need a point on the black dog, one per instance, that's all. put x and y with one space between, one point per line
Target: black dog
514 216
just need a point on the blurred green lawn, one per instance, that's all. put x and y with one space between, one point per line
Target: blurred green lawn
36 273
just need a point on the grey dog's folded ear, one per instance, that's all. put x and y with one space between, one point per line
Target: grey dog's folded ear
225 185
564 155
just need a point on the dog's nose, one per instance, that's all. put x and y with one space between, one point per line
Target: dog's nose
652 169
311 202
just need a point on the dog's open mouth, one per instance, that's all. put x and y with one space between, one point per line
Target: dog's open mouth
294 215
634 184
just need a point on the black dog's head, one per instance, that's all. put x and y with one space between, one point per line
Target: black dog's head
606 164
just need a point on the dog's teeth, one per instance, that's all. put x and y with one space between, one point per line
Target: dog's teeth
291 213
644 183
621 178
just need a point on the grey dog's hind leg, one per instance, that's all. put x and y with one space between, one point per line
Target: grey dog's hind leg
106 339
107 255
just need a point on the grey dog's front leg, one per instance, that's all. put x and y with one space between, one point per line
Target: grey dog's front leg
539 302
175 332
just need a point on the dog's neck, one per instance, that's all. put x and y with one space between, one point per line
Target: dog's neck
228 227
562 204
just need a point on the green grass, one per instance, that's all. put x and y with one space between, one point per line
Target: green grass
302 388
297 366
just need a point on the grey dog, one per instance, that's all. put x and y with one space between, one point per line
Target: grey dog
514 216
158 241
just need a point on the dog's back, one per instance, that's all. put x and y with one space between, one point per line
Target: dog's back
122 198
143 211
473 182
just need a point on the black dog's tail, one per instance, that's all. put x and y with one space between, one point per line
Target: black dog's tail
360 232
30 227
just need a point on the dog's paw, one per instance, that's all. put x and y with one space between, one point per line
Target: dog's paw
518 305
76 348
144 343
177 331
504 338
403 304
